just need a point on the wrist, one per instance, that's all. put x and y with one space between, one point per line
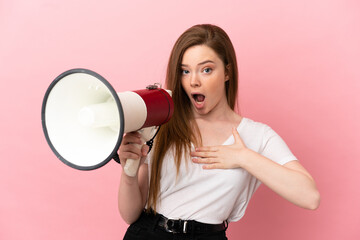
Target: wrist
128 180
245 157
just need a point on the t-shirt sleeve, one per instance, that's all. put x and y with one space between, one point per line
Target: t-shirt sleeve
274 147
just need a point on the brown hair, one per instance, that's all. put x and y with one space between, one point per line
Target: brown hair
182 130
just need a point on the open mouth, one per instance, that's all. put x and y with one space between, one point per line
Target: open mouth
199 98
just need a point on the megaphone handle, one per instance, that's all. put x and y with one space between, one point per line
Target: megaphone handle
132 165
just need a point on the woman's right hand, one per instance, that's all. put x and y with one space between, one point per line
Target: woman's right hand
128 149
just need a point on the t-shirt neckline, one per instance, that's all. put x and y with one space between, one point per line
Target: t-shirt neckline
238 128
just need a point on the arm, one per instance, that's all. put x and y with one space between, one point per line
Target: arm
132 190
291 180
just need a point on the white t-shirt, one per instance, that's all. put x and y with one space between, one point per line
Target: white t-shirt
212 196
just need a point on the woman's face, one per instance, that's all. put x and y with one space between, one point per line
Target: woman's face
203 79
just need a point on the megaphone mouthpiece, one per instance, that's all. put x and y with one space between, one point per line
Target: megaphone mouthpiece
99 115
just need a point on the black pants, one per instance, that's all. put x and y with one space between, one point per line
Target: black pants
146 228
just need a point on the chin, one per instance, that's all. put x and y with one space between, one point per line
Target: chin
201 111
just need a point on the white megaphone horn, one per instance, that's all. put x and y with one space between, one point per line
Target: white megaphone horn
84 119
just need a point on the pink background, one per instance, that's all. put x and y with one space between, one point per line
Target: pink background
299 72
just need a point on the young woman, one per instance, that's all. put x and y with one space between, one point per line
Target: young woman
207 160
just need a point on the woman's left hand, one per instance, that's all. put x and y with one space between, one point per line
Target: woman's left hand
223 156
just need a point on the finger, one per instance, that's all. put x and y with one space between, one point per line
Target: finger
207 149
213 166
131 138
203 154
236 136
144 150
130 148
205 160
134 133
129 155
142 160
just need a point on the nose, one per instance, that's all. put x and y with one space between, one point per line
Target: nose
194 81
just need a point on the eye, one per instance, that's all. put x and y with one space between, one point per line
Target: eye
207 70
184 72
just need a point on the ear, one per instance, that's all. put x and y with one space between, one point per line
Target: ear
227 70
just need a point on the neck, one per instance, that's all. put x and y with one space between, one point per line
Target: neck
220 113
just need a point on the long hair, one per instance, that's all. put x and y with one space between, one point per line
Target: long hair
182 129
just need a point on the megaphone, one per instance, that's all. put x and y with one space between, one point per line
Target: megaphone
84 118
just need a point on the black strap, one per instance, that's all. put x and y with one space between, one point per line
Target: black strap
151 141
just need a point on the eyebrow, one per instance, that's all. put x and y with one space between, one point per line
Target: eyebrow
202 63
